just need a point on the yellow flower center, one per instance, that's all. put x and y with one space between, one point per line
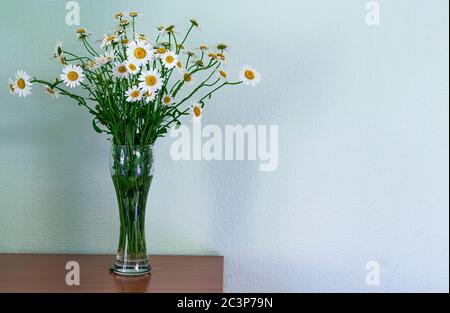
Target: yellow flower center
124 41
179 64
161 50
167 99
213 56
221 56
110 38
203 47
140 53
72 76
122 69
11 87
170 59
187 77
151 80
133 14
249 75
81 31
148 94
21 83
223 74
132 67
135 94
197 111
50 91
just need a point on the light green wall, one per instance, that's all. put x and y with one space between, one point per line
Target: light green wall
363 121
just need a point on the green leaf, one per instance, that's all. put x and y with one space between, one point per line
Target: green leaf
96 128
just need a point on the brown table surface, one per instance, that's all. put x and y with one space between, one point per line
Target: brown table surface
47 273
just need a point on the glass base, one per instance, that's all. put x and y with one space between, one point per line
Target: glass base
132 268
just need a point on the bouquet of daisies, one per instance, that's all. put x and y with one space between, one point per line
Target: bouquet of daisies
136 89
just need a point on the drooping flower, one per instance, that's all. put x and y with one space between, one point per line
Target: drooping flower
108 41
82 33
221 47
191 54
187 78
141 36
133 94
165 30
194 22
150 96
169 59
124 23
118 15
222 74
104 59
22 84
179 66
150 81
203 47
249 76
57 54
197 111
91 65
51 92
120 70
139 52
72 76
11 87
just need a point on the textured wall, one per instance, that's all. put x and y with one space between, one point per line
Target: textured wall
363 134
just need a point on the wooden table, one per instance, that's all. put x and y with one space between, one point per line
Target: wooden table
47 273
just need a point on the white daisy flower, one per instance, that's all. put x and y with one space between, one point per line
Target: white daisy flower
221 58
164 30
104 59
51 92
249 76
194 22
110 56
133 94
197 111
169 59
139 52
150 96
179 66
141 36
57 54
72 75
132 67
188 79
222 74
150 81
202 47
22 85
83 33
91 65
11 87
191 54
120 70
221 47
167 100
108 40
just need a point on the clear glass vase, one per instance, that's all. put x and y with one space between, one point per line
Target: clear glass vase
132 173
